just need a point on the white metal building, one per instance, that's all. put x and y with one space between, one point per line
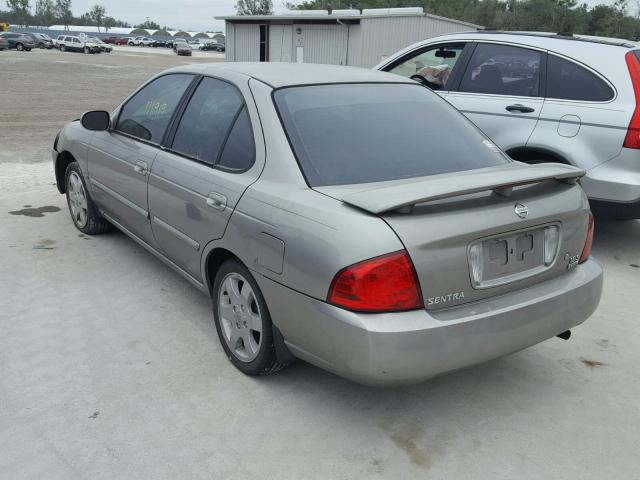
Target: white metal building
342 37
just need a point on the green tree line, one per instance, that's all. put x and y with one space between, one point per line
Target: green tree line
58 12
612 19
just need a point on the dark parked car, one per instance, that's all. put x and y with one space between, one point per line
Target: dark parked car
182 48
41 40
111 40
217 47
4 43
158 43
19 41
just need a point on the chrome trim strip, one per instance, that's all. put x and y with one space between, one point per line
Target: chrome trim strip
120 198
176 233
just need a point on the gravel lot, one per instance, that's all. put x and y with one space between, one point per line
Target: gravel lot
110 368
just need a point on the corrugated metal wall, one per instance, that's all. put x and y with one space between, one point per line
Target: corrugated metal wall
243 42
362 45
281 43
230 51
322 43
380 37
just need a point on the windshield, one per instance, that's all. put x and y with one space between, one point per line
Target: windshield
359 133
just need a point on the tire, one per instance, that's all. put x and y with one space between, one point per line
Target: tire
243 310
63 48
41 46
19 47
90 222
86 50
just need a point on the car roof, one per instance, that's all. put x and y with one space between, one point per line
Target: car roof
278 74
541 39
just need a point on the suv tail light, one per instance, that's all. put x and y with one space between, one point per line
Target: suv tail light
382 284
632 139
586 250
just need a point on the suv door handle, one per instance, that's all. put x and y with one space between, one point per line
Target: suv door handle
518 107
140 167
217 201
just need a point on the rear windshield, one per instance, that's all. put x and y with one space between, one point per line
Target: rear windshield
359 133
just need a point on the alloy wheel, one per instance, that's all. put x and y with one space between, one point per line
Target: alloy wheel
240 317
77 200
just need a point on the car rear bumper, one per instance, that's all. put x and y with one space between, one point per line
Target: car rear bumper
617 180
409 347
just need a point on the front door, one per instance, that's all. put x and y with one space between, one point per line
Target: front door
197 181
433 66
120 159
499 92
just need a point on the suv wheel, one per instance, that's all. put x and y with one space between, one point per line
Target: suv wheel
63 48
83 211
242 320
19 47
86 50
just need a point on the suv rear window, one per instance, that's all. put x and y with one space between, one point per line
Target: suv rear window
569 81
359 133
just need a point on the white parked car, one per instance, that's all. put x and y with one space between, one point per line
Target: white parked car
141 41
543 97
77 44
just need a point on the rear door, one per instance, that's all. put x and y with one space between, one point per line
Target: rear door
579 119
120 159
499 91
197 180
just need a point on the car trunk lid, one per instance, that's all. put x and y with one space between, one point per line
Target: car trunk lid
472 235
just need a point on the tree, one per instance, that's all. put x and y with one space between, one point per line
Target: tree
254 7
148 25
20 10
45 12
97 14
109 22
63 12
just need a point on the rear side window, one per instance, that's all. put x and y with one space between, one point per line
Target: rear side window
207 119
569 81
358 133
147 114
503 70
239 151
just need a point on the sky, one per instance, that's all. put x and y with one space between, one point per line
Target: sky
189 15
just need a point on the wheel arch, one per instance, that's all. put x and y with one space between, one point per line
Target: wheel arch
536 155
62 162
214 260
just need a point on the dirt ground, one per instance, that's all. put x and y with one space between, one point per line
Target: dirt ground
42 90
110 367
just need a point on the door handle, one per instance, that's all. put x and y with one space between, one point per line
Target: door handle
140 167
518 107
217 201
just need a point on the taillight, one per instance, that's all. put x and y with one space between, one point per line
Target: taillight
382 284
586 250
632 139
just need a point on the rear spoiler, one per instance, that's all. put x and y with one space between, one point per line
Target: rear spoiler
403 196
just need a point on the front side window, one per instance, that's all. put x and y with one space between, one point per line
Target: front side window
147 114
503 70
432 67
206 121
569 81
359 133
75 40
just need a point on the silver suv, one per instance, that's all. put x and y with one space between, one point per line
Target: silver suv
545 97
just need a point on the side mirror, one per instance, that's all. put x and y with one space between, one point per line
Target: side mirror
98 120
